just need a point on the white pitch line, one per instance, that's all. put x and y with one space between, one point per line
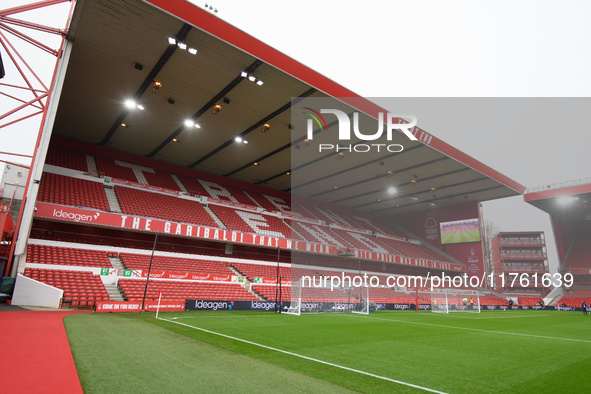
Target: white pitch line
306 358
479 330
491 317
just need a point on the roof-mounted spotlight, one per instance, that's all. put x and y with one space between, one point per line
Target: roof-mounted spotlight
156 86
238 139
259 82
340 156
414 198
243 74
392 190
266 127
129 103
182 45
189 123
192 51
171 40
252 78
216 109
432 204
140 107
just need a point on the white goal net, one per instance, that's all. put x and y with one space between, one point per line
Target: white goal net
307 298
446 301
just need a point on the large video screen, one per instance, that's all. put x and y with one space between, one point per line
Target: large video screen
460 231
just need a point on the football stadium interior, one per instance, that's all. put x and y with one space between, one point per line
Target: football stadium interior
172 171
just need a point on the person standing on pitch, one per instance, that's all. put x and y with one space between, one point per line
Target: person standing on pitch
584 306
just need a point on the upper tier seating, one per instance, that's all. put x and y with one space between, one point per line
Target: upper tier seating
413 250
66 157
59 189
580 255
175 290
365 242
42 254
160 206
320 234
253 222
135 173
200 187
266 201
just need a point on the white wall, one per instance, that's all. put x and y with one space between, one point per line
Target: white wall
29 292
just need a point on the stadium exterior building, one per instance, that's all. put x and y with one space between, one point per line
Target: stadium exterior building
519 253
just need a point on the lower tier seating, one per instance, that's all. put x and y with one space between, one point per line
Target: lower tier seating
575 298
174 264
134 290
81 288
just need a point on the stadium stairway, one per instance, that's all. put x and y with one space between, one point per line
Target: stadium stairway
114 293
247 284
116 262
215 218
112 199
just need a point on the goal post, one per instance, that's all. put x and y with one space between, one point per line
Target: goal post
446 301
295 304
361 295
308 297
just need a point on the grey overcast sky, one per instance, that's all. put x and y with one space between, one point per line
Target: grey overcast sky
434 48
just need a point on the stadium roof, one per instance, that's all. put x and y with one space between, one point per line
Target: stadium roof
121 47
569 199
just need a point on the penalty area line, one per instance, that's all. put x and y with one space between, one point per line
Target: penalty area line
306 357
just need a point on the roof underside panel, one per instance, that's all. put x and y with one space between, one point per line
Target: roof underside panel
113 37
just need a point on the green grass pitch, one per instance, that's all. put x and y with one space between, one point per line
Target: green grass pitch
491 352
455 237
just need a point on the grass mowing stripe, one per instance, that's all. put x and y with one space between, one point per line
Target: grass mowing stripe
123 353
480 318
306 358
478 329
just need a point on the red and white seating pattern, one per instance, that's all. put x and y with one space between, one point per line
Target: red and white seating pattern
70 191
134 290
154 205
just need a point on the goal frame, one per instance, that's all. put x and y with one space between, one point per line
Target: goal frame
461 306
362 307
